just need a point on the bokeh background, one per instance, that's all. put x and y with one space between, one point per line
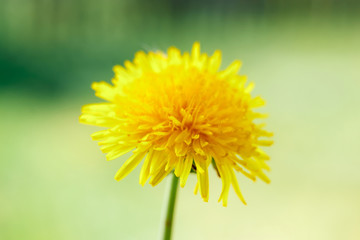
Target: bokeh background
303 55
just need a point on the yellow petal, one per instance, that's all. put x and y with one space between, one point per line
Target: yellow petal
182 136
145 170
174 56
215 62
181 149
196 189
100 135
159 159
104 90
121 75
101 121
197 147
159 176
129 165
235 184
262 176
171 163
203 179
266 143
257 102
195 52
186 171
226 180
179 166
231 70
118 152
250 87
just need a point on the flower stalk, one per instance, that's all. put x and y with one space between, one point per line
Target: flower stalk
168 210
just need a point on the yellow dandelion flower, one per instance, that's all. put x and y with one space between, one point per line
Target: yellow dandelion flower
181 113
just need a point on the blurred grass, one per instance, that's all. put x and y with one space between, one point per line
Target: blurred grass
56 184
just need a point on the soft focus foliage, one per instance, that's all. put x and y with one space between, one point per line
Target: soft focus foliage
303 56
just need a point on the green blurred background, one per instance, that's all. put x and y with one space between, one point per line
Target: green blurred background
303 55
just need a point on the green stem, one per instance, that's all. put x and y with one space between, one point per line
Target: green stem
168 210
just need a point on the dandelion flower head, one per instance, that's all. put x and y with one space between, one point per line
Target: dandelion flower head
180 112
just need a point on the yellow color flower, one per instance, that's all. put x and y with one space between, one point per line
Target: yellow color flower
181 113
